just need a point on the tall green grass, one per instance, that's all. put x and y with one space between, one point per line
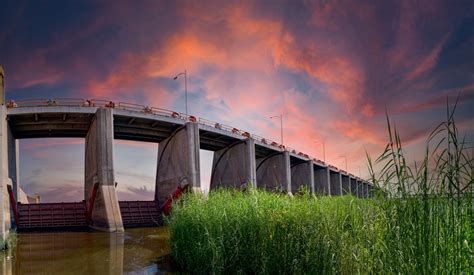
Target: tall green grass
420 221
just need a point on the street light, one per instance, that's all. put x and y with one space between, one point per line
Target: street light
281 126
324 148
185 88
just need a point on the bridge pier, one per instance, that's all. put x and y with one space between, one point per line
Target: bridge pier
235 165
322 184
336 185
99 172
5 223
302 174
178 162
273 172
346 184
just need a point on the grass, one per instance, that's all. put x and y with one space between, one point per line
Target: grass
420 221
9 242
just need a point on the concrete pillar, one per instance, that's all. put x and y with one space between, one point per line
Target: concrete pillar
5 223
273 172
346 185
322 184
302 174
178 162
14 163
99 168
336 186
353 187
234 166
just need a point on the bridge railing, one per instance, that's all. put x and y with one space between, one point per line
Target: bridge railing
77 102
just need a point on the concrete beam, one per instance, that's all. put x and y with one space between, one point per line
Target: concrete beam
346 185
99 169
302 174
5 223
336 183
322 183
273 172
178 162
235 165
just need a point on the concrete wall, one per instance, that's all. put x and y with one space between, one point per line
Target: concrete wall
322 185
99 168
273 172
178 162
302 175
234 166
336 187
346 184
14 163
5 223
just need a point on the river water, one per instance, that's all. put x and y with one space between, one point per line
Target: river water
135 251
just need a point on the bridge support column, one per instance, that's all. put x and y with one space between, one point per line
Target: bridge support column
360 188
5 223
346 185
178 162
99 170
273 172
336 183
235 166
322 183
14 164
302 174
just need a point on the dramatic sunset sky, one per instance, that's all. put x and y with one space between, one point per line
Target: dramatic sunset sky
332 67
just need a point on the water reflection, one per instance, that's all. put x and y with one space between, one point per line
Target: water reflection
134 251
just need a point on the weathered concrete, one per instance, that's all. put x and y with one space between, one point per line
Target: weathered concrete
336 183
234 166
322 183
353 186
5 223
360 190
99 168
14 163
178 162
302 174
273 172
346 184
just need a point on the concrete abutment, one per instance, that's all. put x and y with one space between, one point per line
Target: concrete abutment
273 172
302 175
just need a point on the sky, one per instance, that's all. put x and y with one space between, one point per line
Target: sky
332 68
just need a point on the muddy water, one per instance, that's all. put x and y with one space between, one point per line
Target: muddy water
133 252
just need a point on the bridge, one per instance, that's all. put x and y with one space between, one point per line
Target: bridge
240 159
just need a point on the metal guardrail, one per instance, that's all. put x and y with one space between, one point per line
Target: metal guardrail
76 102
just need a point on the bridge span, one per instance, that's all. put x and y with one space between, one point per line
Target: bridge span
240 158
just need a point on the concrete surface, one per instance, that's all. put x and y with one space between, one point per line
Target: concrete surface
273 172
99 168
234 166
302 175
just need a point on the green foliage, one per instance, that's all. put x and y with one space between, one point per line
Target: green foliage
419 222
9 242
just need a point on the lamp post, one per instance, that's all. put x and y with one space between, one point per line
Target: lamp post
324 148
185 88
281 126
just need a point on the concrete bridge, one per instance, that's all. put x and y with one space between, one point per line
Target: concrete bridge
240 159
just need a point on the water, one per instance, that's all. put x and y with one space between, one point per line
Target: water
134 252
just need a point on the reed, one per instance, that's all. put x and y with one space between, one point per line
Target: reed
419 222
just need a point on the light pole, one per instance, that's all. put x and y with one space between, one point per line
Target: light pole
185 88
281 126
324 148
